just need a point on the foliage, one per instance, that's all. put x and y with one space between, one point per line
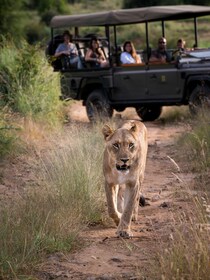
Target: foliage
16 16
23 86
85 182
195 144
188 256
11 17
7 133
67 197
46 5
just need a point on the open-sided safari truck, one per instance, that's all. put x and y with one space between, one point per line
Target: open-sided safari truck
146 86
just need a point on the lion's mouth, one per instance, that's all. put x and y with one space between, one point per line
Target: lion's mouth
123 167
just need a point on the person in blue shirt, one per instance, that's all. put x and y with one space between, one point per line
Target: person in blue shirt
69 49
129 54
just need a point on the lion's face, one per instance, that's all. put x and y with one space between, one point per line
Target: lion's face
122 147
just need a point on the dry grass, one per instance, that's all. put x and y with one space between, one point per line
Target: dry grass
188 255
66 196
175 114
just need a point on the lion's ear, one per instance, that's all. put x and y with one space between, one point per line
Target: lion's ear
133 127
107 131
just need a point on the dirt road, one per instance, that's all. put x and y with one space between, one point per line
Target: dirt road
108 257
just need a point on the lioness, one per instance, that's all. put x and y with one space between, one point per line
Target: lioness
123 166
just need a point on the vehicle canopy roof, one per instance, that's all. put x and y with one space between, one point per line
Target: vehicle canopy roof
129 16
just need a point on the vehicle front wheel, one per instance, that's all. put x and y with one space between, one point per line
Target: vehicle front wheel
149 113
199 99
98 107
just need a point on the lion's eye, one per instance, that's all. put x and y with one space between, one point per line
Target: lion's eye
131 145
116 146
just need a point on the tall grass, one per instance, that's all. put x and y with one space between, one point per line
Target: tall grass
27 83
8 133
188 256
49 217
75 172
28 89
195 145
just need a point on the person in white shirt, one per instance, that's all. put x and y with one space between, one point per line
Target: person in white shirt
129 54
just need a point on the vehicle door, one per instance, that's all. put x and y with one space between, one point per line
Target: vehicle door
163 82
129 82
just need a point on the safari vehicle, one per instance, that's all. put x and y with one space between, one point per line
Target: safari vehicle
146 86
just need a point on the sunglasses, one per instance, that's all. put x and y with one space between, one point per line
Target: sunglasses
162 42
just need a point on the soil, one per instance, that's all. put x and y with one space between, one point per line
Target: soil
103 255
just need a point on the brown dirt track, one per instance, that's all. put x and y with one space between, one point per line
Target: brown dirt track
104 256
108 257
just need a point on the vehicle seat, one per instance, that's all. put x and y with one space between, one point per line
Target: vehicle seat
82 51
116 55
146 54
105 48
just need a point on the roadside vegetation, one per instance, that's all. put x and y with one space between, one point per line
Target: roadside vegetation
175 114
48 218
29 90
188 255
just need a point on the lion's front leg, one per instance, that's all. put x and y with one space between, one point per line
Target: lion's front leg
131 194
136 207
120 198
111 196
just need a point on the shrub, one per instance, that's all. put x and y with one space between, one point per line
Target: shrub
28 84
7 134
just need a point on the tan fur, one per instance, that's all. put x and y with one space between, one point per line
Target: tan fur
123 166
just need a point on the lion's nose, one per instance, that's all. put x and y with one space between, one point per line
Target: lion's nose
124 160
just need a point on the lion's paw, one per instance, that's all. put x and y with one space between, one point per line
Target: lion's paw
124 234
135 217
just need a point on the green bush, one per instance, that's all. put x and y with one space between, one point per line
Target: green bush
27 83
7 134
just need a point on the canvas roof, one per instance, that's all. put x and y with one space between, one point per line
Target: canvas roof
128 16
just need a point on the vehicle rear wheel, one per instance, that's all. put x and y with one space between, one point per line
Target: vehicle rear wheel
98 107
119 108
199 99
149 113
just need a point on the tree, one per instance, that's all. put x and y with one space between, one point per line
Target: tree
11 17
43 6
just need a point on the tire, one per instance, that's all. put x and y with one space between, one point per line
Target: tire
119 109
97 106
149 113
199 99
